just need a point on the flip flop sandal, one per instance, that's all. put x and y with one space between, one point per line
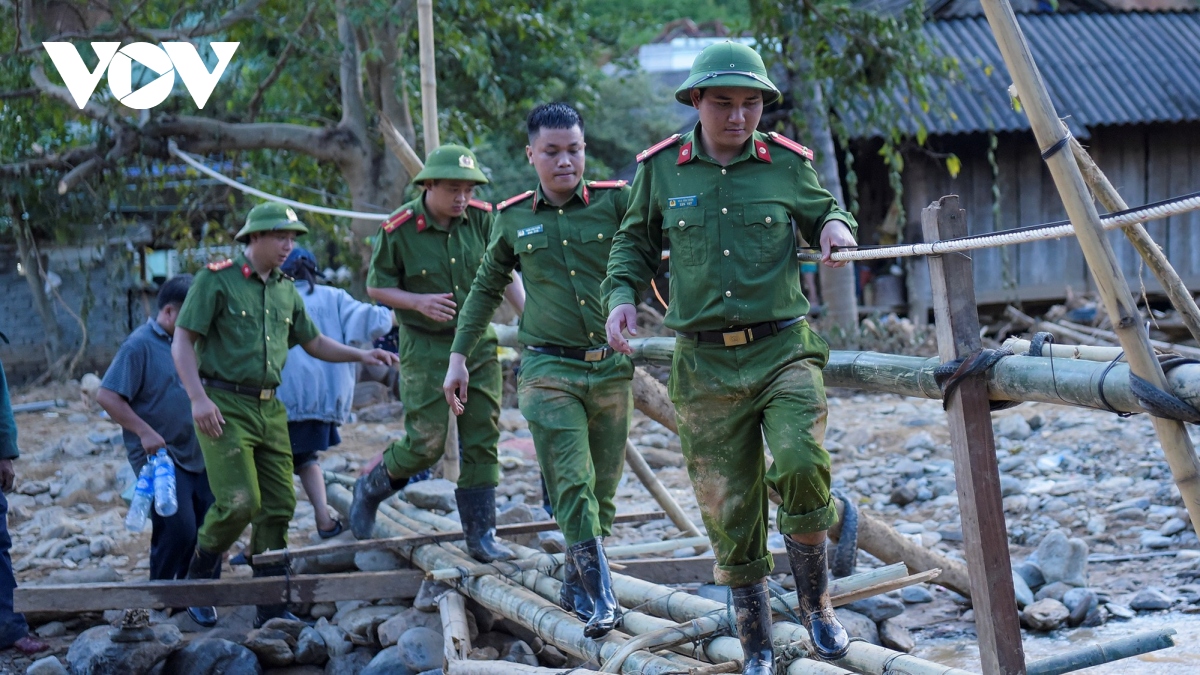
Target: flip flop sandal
331 533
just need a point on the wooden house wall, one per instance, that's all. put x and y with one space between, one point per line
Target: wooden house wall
1144 163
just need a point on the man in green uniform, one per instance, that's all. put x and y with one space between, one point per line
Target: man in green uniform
231 340
746 364
424 259
574 389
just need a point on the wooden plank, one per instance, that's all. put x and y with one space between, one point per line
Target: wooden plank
274 557
301 588
691 570
985 536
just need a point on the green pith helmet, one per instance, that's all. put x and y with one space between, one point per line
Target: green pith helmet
270 217
451 162
728 64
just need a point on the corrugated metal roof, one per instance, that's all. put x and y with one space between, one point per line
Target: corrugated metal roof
1101 70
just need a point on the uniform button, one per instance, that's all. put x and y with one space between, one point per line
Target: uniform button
767 220
456 287
591 335
243 312
723 172
268 338
681 223
600 236
560 212
728 294
583 302
572 272
724 210
423 272
726 251
452 261
267 311
529 246
564 242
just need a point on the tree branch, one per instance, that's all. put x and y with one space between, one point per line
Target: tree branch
242 12
284 57
203 135
67 160
28 92
354 113
92 109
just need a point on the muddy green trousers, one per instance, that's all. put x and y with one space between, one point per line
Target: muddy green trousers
250 473
579 416
424 359
726 400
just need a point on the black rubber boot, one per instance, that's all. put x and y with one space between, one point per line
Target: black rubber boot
571 596
477 512
752 614
810 568
597 583
204 565
268 612
369 491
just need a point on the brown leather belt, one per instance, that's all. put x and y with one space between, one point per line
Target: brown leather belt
736 336
252 392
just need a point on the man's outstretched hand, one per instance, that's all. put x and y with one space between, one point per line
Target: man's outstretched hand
622 318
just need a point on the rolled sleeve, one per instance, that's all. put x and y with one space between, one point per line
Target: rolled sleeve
201 304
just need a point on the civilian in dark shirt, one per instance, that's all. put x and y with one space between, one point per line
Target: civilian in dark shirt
141 392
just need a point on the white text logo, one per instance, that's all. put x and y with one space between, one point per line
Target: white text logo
165 60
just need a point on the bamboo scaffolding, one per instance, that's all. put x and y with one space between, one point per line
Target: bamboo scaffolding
429 106
1101 334
1104 652
645 474
1180 297
547 562
456 635
1087 353
1110 282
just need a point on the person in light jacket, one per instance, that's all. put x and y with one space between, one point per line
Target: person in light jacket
318 394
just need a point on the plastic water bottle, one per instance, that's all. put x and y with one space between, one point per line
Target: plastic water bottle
165 501
143 493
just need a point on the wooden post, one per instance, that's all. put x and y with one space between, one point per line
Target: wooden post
429 108
985 537
1122 312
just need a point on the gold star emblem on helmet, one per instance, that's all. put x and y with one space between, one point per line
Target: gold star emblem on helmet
291 215
466 162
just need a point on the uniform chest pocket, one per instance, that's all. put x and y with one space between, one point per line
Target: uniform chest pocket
531 249
769 230
245 323
688 235
598 233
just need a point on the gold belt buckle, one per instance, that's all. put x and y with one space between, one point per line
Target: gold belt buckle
737 338
593 355
266 394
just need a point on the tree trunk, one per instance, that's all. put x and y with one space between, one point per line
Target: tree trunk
28 253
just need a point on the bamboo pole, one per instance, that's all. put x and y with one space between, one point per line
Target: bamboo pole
507 668
1104 652
429 107
547 562
1020 347
399 146
644 473
651 398
456 635
450 467
1190 352
1180 297
1118 301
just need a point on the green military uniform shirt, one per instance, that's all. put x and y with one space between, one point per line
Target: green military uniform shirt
246 325
413 253
562 253
733 251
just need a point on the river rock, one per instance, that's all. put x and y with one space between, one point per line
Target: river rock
1172 527
52 630
1032 574
100 546
94 652
1150 599
520 652
1021 589
1055 590
292 627
1080 602
273 647
521 513
437 493
1155 541
895 636
1045 615
858 626
310 647
212 655
363 621
387 662
919 441
420 649
903 496
337 643
389 631
46 666
877 608
90 575
1013 427
389 411
1119 611
915 595
349 664
1062 559
663 459
428 593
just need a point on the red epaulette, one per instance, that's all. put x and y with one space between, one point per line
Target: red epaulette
608 183
792 145
397 220
514 199
218 266
657 147
481 205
